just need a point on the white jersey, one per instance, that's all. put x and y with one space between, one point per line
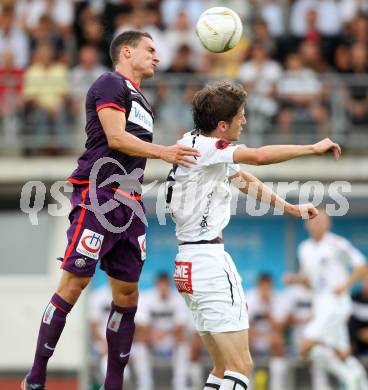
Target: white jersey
99 307
161 314
327 263
199 197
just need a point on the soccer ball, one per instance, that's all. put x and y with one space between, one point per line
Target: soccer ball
219 29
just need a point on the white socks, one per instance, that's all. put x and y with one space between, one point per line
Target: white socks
213 382
234 381
141 362
180 366
278 371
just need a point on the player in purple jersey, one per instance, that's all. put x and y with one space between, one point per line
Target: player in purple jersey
119 131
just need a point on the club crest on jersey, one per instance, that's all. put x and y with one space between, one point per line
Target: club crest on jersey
90 244
142 246
222 144
183 277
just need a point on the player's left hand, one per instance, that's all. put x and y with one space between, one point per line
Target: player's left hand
305 211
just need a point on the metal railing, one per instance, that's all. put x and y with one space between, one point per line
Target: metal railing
31 130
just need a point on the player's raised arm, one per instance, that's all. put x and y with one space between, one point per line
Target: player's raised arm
272 154
113 122
250 185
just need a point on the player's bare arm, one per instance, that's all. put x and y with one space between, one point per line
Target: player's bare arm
250 185
356 276
113 122
289 279
272 154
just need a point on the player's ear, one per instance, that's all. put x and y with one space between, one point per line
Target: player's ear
126 51
222 126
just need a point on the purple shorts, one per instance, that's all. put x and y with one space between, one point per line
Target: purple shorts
121 254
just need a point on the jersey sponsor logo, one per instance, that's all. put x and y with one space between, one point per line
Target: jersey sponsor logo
115 321
142 246
222 144
183 277
90 244
206 213
48 314
140 116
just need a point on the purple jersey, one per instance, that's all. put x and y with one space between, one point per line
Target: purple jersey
113 90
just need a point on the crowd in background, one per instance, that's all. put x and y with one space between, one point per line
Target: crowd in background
52 50
166 337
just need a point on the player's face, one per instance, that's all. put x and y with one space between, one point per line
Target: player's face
235 127
144 58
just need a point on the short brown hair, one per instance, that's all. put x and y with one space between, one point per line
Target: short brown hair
130 38
217 102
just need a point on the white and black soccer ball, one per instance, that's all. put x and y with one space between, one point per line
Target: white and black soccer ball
219 29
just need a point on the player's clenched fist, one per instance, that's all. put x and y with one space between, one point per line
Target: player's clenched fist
178 154
326 145
305 211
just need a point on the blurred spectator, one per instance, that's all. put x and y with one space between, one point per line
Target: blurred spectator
83 75
301 97
92 34
359 30
265 336
312 33
60 11
312 57
170 9
44 32
297 306
161 322
358 325
181 32
182 62
342 61
46 87
349 9
11 82
272 11
261 35
328 17
13 38
259 76
358 99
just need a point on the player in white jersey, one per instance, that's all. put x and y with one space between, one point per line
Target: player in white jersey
199 201
330 265
161 325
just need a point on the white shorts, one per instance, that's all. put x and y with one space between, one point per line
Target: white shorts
207 278
329 325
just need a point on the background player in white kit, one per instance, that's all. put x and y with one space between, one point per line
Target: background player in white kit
199 201
325 262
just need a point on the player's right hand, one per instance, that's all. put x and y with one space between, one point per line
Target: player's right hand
326 145
181 155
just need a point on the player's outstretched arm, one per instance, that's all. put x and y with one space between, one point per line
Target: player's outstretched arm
250 185
289 279
113 122
357 274
272 154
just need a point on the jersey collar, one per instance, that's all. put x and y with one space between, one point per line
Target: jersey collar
135 85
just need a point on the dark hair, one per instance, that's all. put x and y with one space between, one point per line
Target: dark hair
217 102
163 275
130 38
264 277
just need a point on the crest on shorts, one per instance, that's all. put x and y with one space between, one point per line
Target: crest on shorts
142 246
183 277
90 244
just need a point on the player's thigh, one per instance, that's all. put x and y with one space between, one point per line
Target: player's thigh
215 353
234 348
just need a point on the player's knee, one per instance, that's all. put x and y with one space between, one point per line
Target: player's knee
244 365
71 289
126 297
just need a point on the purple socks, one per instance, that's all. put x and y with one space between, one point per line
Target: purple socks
119 335
52 324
